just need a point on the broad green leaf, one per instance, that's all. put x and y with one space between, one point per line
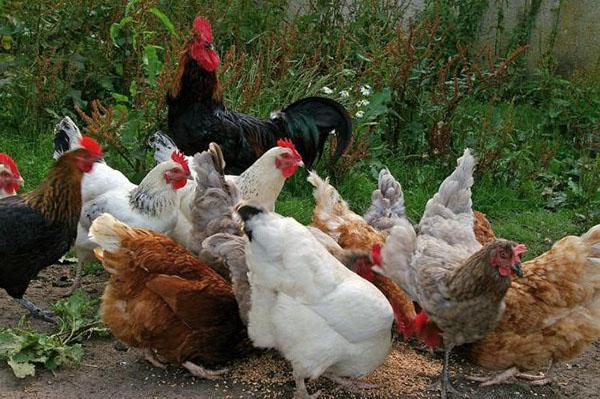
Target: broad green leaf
165 20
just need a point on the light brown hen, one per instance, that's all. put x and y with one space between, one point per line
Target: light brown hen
162 299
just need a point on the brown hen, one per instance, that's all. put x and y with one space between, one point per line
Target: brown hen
552 312
162 299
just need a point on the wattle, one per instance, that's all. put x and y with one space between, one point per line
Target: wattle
289 171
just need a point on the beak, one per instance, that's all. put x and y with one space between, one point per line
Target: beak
301 164
211 46
517 269
20 181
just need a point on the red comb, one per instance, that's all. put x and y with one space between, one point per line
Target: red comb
203 29
287 143
178 157
9 163
376 254
91 145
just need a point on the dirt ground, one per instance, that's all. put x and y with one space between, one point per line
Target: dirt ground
109 370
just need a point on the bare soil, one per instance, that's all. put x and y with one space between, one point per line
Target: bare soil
110 370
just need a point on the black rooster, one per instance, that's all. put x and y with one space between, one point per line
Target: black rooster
197 115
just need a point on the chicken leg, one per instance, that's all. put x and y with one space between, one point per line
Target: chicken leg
36 312
77 281
446 384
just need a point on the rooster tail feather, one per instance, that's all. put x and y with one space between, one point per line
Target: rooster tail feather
66 137
108 232
163 146
387 202
310 122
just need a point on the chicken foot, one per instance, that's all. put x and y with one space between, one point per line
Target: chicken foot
301 392
151 358
36 312
351 384
76 281
201 372
506 375
444 384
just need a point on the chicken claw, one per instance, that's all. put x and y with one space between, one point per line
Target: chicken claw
151 358
201 372
505 376
301 392
36 312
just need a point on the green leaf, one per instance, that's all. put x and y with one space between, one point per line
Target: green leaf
152 64
21 370
165 20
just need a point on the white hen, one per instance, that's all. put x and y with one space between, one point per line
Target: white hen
152 205
261 183
322 317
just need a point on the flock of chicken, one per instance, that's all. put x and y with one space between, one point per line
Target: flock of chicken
202 270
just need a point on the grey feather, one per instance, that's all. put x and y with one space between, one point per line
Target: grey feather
387 203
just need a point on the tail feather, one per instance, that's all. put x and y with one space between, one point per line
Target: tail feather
108 233
66 137
310 121
163 146
325 194
448 215
387 203
592 239
212 207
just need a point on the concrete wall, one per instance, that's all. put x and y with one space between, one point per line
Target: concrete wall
575 23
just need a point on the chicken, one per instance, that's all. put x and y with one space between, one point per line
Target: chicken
482 228
333 216
101 179
10 178
459 284
153 204
197 115
39 227
162 299
261 183
552 312
323 318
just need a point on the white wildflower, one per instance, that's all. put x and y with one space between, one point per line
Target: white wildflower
359 114
344 94
326 90
365 90
362 103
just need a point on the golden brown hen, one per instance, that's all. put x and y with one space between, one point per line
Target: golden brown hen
162 299
552 312
333 216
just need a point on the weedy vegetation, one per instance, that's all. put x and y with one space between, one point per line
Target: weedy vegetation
420 89
23 348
